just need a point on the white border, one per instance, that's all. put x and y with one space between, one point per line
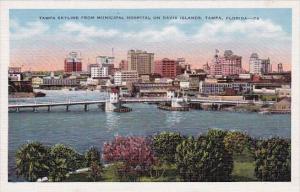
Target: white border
132 187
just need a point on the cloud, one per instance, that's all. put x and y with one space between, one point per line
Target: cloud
225 31
30 29
84 33
151 35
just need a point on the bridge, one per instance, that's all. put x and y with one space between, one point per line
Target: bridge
114 102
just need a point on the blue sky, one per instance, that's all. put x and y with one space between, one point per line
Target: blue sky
270 36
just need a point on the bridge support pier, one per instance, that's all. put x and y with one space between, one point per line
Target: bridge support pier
86 107
67 108
34 109
49 108
17 109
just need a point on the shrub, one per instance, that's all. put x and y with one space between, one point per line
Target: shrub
64 159
92 156
164 145
135 153
273 160
236 142
205 158
32 161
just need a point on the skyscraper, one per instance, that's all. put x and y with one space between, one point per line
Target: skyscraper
167 68
228 64
259 66
140 61
73 63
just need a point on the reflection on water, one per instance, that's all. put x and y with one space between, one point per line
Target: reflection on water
112 121
174 117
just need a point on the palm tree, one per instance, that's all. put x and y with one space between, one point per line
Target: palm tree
63 159
32 161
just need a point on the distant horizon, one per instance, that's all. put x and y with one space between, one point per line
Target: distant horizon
42 44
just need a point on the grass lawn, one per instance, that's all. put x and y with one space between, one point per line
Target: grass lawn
243 171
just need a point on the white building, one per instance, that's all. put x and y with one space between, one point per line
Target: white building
105 60
125 76
259 66
97 71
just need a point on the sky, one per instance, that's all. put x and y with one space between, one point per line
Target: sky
37 43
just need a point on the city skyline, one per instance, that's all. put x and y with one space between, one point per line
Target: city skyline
43 44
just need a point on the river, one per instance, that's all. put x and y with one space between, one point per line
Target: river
81 129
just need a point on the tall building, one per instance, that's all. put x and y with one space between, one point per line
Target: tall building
185 67
125 76
106 62
228 64
123 65
73 63
259 66
167 68
97 71
279 68
140 61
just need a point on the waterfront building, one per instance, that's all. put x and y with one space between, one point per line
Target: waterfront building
124 77
36 82
228 64
140 61
167 68
284 91
153 89
73 63
123 65
213 87
47 83
259 66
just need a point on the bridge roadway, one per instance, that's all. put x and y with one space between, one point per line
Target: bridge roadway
130 100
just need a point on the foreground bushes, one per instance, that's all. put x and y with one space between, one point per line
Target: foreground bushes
273 160
34 161
208 157
205 158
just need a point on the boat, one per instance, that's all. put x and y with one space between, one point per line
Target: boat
39 94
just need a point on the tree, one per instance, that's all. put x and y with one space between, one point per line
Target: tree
164 145
92 156
237 142
63 160
135 153
273 160
32 161
95 171
205 158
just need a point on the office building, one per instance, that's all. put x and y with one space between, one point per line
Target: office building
140 61
167 68
259 66
73 63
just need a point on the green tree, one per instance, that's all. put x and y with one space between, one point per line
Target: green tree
63 160
237 142
92 156
273 160
164 145
205 158
32 161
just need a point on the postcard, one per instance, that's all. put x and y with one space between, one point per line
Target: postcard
131 96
